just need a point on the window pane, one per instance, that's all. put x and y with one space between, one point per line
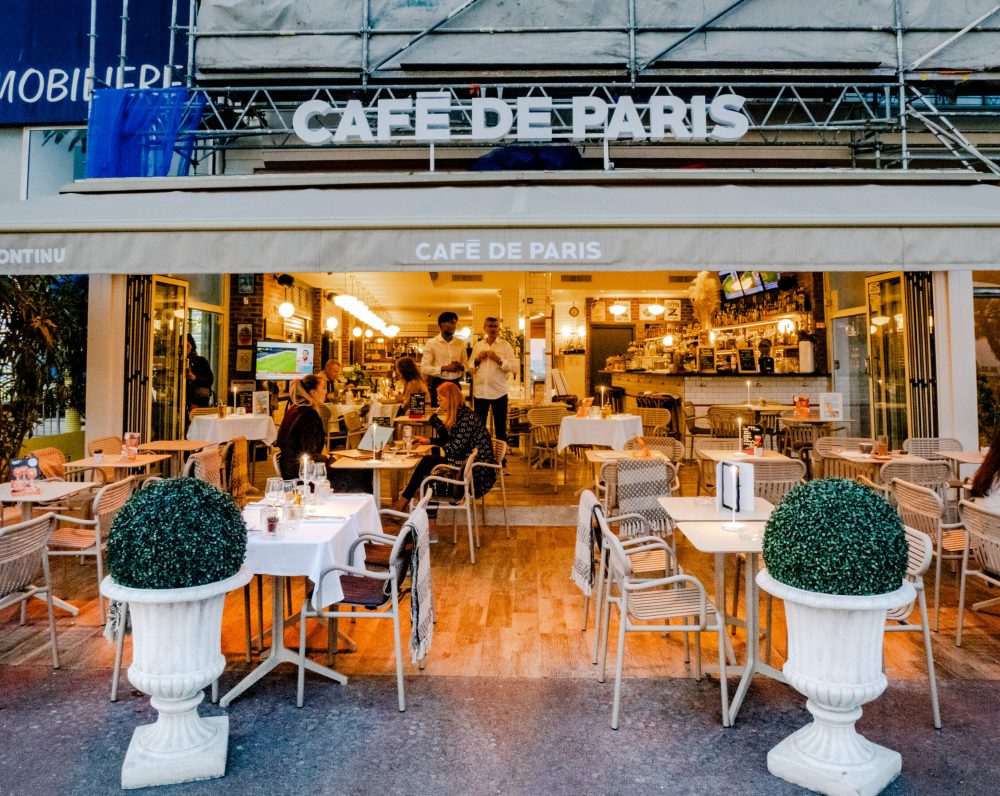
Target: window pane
55 157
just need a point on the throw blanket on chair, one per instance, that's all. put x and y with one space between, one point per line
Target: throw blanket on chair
240 487
421 594
208 467
640 483
583 558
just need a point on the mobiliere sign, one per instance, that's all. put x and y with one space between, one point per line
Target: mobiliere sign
427 118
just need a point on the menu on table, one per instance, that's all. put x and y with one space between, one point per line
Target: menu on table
25 473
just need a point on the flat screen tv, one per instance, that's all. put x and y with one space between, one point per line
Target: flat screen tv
745 283
278 361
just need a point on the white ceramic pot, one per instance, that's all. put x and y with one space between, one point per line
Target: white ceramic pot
835 660
176 653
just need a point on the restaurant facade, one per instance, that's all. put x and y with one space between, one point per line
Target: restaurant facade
836 170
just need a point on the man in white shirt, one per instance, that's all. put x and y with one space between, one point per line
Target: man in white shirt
444 355
491 361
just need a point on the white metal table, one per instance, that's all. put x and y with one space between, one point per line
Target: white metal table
319 540
351 460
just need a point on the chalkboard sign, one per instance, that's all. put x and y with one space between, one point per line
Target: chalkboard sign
416 408
706 360
747 360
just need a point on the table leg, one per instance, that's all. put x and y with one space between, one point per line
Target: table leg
720 602
377 486
26 510
279 653
754 664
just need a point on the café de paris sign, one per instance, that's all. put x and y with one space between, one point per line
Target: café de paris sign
426 119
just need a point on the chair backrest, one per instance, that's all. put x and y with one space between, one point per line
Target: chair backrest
206 466
920 553
202 410
654 420
226 451
826 465
640 483
107 445
930 447
983 527
724 420
546 415
934 475
919 507
51 461
355 428
672 448
775 478
108 500
618 562
22 551
467 471
499 451
702 444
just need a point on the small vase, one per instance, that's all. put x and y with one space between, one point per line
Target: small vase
176 653
835 660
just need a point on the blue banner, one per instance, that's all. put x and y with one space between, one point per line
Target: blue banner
45 52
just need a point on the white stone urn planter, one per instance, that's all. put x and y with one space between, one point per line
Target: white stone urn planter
176 653
835 660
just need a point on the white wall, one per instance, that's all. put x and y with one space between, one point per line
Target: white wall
956 358
10 164
105 356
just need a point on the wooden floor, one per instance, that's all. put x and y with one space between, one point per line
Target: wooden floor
515 613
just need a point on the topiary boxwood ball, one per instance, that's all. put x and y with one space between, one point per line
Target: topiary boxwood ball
176 533
836 537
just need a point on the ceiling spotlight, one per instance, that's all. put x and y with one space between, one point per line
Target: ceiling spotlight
356 331
331 324
286 309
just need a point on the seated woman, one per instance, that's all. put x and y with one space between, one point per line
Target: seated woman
413 383
986 483
301 431
457 430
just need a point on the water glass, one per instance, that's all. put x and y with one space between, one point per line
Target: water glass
274 491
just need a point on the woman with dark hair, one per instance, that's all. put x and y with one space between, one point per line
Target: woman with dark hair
457 430
986 481
413 382
301 431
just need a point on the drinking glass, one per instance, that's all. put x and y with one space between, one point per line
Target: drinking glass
882 449
274 491
865 448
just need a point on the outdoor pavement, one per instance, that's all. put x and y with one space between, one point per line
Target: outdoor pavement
60 734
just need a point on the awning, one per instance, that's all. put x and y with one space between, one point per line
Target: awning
534 227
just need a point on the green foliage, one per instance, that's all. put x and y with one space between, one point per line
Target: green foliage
836 537
357 376
989 410
176 533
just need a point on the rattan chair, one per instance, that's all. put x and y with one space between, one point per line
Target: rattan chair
105 445
923 509
897 619
205 465
706 467
931 447
690 430
655 422
651 605
88 536
543 439
22 555
724 421
670 447
983 545
933 475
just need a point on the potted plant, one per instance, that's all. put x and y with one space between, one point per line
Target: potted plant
174 551
836 554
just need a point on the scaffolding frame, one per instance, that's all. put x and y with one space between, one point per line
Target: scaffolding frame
871 116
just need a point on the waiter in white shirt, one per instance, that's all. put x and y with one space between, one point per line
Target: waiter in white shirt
444 355
491 360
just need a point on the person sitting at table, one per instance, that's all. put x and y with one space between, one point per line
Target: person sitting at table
334 386
301 432
413 384
457 430
985 489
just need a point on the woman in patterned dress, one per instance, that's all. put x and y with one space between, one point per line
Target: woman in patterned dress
457 430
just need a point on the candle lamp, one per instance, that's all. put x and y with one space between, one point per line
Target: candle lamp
734 525
234 399
739 431
748 392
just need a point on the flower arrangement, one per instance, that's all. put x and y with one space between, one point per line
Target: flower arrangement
704 295
176 533
357 376
835 536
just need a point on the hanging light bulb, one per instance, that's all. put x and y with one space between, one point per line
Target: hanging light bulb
369 334
286 309
391 330
356 331
567 330
464 333
582 331
520 323
380 340
668 340
786 326
711 337
618 308
331 324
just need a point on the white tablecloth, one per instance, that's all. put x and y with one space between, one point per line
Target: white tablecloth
612 432
314 544
216 429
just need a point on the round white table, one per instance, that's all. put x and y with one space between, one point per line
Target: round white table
218 429
612 432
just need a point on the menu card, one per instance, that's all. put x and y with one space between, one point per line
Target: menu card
751 437
417 405
801 407
24 475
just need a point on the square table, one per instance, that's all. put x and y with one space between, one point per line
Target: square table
871 466
610 432
739 456
322 538
702 509
709 537
958 458
48 492
349 460
141 462
177 448
223 429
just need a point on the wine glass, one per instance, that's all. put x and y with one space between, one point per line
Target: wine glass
274 491
319 477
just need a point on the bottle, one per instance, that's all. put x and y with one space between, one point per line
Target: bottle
407 438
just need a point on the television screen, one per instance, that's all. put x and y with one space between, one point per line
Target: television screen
730 284
769 279
750 282
278 361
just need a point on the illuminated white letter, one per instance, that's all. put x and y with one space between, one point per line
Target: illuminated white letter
481 131
304 114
